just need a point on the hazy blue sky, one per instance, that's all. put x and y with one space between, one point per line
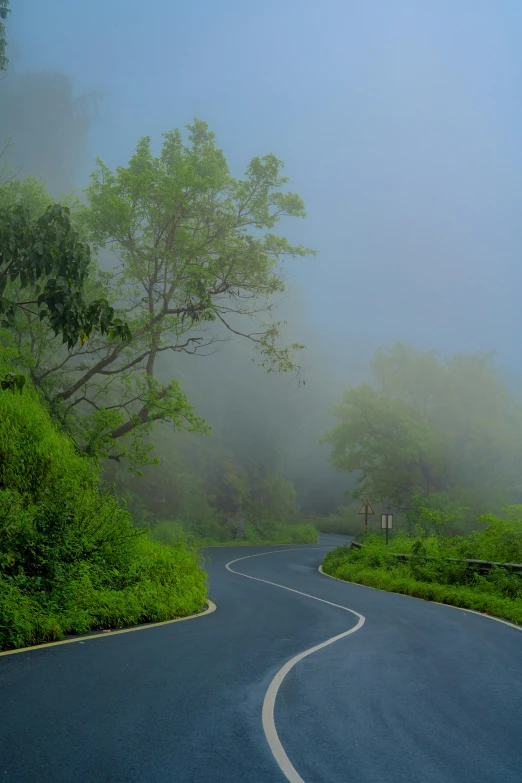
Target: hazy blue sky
400 123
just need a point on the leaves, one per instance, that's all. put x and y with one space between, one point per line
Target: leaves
433 428
47 256
198 261
182 227
13 381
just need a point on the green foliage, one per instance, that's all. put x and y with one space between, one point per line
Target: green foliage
205 485
29 193
35 458
489 601
433 514
345 521
46 257
14 382
196 253
172 532
435 570
161 583
70 559
446 428
500 540
385 441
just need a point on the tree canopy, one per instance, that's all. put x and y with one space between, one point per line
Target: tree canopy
196 263
431 426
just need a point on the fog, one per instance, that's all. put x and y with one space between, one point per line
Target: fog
399 124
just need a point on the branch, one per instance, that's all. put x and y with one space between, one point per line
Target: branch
142 417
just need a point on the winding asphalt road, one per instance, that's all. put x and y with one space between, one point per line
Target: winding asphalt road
419 693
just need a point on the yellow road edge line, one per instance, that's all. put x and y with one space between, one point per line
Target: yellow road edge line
106 635
426 600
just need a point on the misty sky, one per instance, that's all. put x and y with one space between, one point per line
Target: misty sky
400 124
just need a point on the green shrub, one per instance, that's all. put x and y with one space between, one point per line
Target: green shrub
176 531
462 596
275 535
430 574
162 583
345 521
70 558
499 540
434 514
172 533
36 459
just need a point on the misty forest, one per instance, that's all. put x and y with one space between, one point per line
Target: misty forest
171 381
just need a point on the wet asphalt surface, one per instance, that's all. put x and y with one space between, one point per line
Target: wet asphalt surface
422 693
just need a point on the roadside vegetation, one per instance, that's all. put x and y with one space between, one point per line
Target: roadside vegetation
123 455
173 532
436 567
111 482
70 559
438 443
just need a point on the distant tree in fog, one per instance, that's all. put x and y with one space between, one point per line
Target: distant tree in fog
48 127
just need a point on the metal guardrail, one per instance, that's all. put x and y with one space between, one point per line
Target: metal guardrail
482 566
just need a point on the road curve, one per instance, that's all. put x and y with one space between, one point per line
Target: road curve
421 693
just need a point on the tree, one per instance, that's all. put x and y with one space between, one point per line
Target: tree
47 256
196 261
432 426
391 447
48 126
4 11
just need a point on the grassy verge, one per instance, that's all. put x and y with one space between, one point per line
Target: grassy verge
70 559
286 534
499 594
162 583
172 532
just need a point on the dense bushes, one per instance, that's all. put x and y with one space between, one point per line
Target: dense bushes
169 532
345 521
70 559
497 539
161 583
202 497
430 572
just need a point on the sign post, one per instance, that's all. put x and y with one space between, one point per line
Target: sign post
386 523
367 510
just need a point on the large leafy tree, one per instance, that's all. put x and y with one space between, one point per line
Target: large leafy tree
431 426
392 448
196 261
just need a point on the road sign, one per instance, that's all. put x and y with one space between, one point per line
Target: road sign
386 523
366 508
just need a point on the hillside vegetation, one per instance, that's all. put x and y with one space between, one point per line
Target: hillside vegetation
436 569
70 559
